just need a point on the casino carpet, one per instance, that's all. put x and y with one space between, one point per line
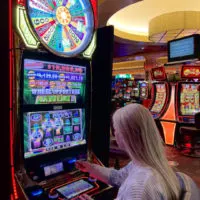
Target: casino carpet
187 165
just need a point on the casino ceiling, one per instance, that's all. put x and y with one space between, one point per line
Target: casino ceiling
146 26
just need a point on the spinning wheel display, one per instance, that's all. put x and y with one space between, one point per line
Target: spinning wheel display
64 27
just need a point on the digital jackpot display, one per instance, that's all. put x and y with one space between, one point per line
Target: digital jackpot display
53 83
189 99
48 131
64 27
160 98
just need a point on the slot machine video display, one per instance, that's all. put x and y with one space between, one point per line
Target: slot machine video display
53 83
188 101
160 90
50 131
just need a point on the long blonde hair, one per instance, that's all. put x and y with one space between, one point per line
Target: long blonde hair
135 126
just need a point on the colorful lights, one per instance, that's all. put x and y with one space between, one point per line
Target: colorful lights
65 28
128 76
24 30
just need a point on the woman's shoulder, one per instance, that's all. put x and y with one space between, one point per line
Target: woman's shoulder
188 186
139 177
137 184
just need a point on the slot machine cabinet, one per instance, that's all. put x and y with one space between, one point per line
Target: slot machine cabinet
187 101
160 94
55 98
187 105
168 120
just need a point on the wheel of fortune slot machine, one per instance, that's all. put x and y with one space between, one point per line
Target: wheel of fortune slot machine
53 45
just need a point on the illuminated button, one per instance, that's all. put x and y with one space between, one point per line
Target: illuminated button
53 195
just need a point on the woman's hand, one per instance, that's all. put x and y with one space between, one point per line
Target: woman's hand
84 166
83 197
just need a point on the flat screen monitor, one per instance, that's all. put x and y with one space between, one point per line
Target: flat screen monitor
50 131
46 82
189 99
184 48
161 95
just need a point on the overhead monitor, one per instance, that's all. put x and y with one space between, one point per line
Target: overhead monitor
183 49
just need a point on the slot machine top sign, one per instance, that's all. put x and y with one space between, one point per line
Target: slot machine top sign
64 27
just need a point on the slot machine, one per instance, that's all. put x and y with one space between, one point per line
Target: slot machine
160 97
57 40
159 93
187 105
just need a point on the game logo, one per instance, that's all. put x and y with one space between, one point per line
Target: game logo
189 99
158 73
160 98
53 83
49 131
190 72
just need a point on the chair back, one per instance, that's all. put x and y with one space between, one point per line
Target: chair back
197 120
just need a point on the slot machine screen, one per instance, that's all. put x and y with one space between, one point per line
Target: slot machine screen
189 99
49 131
47 82
75 188
160 98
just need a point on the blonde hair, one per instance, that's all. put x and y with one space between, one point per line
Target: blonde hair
135 126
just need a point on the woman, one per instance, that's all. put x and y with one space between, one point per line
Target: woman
148 175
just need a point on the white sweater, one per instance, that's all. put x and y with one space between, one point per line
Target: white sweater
136 182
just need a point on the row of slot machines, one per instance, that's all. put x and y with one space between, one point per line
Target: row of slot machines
125 91
174 105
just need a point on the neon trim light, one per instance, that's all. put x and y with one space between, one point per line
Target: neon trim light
170 127
14 194
169 131
90 50
129 76
24 30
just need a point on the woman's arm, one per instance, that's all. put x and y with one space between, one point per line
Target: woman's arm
117 177
104 174
94 170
